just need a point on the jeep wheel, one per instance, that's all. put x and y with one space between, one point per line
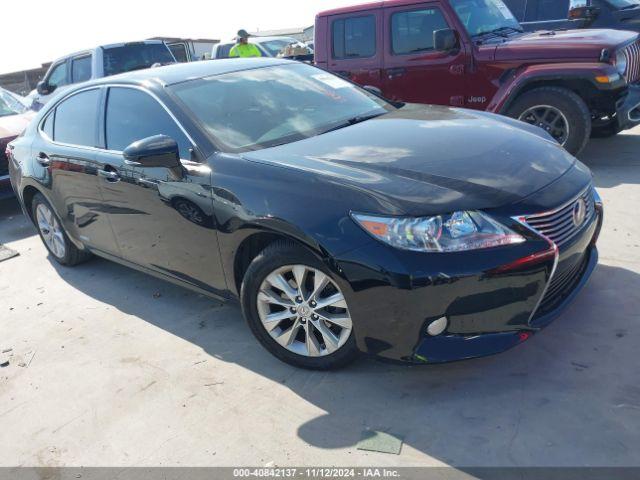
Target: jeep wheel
559 111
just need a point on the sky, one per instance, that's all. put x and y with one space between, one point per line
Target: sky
44 31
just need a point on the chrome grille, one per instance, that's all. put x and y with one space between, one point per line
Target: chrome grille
559 225
561 286
632 54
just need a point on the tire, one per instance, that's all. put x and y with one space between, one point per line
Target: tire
605 131
569 104
279 259
55 239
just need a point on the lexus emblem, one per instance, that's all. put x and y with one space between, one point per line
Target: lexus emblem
579 212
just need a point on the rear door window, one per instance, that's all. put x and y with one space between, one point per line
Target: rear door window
76 119
134 115
81 69
412 31
546 10
354 37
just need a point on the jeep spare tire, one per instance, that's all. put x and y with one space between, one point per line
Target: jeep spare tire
559 111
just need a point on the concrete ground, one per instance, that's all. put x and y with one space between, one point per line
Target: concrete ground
114 368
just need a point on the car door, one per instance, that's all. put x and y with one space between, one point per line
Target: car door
413 70
547 15
162 218
65 147
356 46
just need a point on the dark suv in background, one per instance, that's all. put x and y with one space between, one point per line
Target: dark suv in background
562 14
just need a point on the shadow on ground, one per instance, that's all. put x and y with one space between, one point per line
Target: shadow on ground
12 228
570 396
620 152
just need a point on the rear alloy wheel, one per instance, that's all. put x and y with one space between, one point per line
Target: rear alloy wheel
53 235
558 111
296 310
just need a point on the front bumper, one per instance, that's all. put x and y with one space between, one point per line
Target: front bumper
450 348
395 295
628 109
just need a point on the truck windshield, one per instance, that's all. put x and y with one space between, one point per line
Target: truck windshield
264 107
620 4
135 56
483 17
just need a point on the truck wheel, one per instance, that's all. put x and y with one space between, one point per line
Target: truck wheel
605 131
559 111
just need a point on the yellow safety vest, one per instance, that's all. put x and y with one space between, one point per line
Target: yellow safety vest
245 51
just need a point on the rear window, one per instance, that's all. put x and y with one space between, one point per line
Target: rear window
135 57
76 119
354 37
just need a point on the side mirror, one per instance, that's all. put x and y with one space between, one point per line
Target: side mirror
374 90
43 88
156 151
584 13
445 40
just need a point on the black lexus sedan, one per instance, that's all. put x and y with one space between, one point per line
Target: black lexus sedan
342 223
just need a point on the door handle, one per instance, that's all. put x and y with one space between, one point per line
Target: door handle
43 159
109 175
395 72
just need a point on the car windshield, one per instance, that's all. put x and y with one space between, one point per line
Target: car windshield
10 105
138 56
619 4
264 107
481 17
274 47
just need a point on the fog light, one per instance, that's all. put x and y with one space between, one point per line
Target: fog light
437 327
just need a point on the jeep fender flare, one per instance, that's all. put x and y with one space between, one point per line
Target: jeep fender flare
515 81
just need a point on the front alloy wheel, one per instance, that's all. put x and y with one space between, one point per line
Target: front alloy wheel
296 309
304 311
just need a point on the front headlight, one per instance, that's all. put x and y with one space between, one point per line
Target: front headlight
621 62
456 232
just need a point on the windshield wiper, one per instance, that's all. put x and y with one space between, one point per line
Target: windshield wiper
353 121
500 32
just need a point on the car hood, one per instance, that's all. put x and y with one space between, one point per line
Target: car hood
13 125
563 44
428 159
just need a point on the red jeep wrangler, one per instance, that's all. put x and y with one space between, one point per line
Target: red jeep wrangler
474 54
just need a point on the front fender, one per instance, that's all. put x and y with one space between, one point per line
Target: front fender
520 78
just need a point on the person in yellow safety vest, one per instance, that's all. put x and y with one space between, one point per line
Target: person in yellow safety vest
243 48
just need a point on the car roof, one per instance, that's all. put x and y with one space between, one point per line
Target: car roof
182 72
